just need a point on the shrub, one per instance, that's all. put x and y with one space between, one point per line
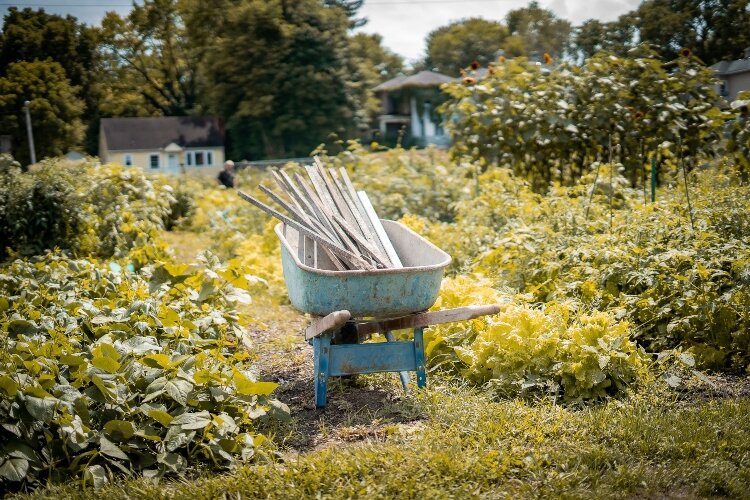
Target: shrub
103 211
38 211
549 126
106 371
525 350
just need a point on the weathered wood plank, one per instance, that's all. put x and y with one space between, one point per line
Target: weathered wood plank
379 230
361 209
422 320
364 229
355 260
326 324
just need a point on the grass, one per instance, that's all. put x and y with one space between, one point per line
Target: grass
469 445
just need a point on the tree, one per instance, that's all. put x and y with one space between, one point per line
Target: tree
55 108
149 50
712 29
30 35
369 65
276 71
350 8
535 30
458 44
594 36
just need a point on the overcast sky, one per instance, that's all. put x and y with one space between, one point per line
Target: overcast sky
403 24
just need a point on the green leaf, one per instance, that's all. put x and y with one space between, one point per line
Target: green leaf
160 416
72 360
8 385
156 361
109 365
169 317
96 476
19 326
119 429
247 387
110 449
178 390
14 468
107 387
42 409
173 461
193 421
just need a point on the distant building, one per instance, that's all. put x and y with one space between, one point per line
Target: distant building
408 103
162 143
734 75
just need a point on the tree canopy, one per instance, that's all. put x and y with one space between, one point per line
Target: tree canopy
458 44
54 105
536 31
277 72
713 30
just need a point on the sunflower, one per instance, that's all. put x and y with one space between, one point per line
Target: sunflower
502 59
685 52
547 58
475 65
470 81
638 115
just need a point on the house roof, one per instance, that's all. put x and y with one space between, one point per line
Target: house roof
730 67
157 132
421 79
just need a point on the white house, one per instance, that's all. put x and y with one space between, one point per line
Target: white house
166 144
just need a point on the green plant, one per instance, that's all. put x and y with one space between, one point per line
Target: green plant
113 211
525 350
104 371
549 126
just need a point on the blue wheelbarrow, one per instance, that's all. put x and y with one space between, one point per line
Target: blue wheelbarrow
352 305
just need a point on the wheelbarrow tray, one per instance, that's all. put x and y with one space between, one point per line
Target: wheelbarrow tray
379 293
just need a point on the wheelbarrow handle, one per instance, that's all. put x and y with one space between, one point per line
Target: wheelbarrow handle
333 321
425 319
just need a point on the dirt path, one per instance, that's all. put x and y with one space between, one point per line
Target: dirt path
366 407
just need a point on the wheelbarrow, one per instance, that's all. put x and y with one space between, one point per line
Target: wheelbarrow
352 305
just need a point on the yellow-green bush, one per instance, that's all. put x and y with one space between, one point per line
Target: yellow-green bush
524 350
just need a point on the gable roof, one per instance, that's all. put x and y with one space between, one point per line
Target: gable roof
421 79
156 132
730 67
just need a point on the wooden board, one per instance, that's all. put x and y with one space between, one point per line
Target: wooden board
422 320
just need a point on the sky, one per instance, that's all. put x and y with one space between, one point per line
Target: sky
403 24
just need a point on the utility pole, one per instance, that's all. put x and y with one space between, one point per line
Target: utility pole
32 151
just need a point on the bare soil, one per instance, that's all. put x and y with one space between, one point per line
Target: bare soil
359 408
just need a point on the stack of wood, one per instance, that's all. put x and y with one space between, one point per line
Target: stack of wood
329 213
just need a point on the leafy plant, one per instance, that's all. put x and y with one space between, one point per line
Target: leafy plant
548 126
524 350
105 371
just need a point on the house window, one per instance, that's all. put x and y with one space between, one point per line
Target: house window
199 158
128 161
154 161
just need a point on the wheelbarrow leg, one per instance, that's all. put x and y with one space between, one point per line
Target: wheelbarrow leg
321 354
405 379
419 357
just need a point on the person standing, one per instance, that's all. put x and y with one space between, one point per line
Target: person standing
226 177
